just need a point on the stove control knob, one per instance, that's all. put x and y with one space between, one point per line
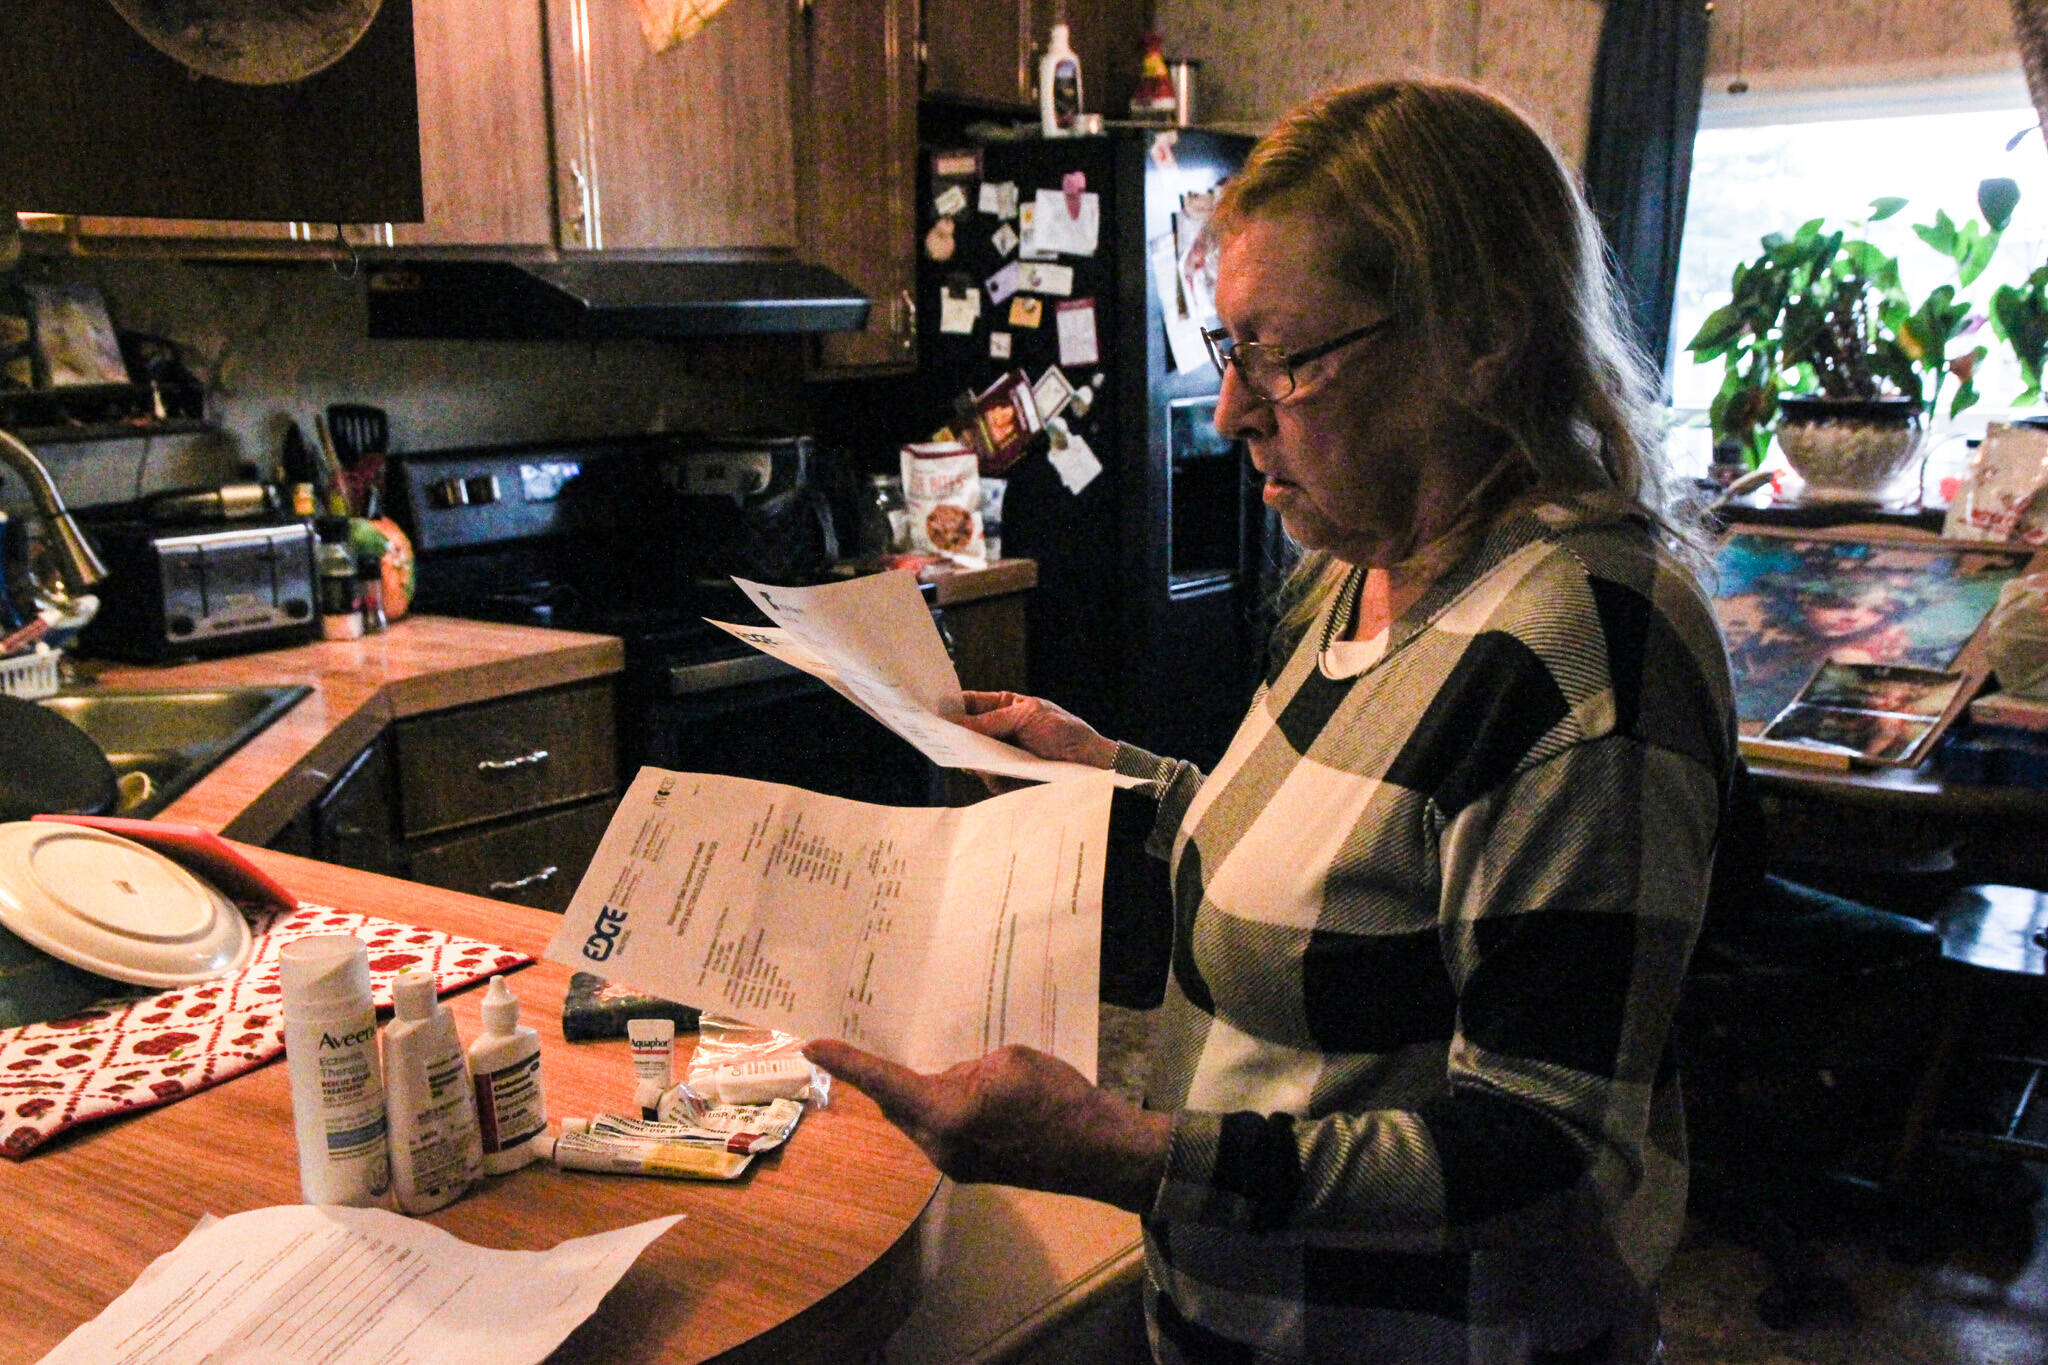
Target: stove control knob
448 493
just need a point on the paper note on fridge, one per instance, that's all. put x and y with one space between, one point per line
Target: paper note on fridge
927 934
306 1282
872 640
1070 233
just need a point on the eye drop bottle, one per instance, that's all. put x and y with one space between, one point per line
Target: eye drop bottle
1059 86
330 1045
436 1150
511 1108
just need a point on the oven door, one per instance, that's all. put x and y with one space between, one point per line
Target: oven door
756 717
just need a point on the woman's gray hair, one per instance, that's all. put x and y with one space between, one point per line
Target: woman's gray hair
1457 215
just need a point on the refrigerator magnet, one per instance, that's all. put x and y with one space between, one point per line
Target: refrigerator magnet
1162 150
1004 239
998 345
1073 460
960 163
1026 312
939 242
1002 284
1051 392
1038 277
949 201
999 198
959 309
1075 320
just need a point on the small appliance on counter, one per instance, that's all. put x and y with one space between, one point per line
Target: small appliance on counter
201 587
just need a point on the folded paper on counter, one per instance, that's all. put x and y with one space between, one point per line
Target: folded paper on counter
872 641
928 935
313 1283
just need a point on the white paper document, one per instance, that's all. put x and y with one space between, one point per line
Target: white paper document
928 935
310 1284
873 641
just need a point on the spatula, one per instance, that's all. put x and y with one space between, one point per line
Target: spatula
362 435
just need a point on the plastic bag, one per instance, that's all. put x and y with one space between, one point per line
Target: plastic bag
2016 637
2000 496
724 1042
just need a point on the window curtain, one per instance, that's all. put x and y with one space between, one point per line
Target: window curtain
1647 80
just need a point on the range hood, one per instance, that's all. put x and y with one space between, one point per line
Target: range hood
607 297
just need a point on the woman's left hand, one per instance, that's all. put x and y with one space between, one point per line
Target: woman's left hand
1016 1117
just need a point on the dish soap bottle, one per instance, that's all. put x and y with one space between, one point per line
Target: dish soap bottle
510 1105
1059 86
436 1149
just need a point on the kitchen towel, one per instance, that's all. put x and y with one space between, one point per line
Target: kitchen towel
128 1053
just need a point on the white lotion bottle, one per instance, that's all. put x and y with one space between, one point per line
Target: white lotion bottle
510 1104
330 1045
1059 86
436 1149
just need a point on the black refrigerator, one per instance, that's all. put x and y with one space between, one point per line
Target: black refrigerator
1148 616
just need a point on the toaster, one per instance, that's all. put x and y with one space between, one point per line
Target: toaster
219 588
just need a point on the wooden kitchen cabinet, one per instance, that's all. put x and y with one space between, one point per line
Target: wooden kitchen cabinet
686 148
856 110
486 172
505 799
986 52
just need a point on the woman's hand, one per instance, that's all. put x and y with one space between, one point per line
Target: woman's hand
1038 727
1016 1117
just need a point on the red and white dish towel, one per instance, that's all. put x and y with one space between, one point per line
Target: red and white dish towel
125 1053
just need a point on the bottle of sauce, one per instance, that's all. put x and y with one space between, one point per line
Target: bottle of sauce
1059 86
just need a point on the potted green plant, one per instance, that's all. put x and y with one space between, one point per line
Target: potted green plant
1822 348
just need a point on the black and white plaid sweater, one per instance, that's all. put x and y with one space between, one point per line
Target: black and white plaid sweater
1431 921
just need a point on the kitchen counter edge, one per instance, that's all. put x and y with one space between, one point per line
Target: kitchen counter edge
421 664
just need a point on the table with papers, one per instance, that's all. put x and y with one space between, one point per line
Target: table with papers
803 1259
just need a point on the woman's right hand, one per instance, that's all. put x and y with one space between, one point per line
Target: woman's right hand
1038 727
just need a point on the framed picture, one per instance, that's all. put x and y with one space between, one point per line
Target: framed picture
1870 713
74 336
1791 600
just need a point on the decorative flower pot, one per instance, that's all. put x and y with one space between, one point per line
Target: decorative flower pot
1849 449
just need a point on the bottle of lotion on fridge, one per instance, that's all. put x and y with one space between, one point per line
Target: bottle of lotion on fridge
1059 86
330 1045
436 1149
510 1104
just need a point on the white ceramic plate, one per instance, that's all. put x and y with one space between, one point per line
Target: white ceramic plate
111 906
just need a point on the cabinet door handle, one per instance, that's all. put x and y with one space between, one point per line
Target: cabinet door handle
500 765
521 883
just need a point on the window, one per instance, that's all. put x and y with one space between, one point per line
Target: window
1767 162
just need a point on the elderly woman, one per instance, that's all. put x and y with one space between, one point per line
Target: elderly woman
1410 1098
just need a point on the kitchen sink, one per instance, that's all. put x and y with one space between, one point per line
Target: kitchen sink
171 737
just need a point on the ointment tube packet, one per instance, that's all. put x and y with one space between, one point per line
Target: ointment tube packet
748 1128
676 1160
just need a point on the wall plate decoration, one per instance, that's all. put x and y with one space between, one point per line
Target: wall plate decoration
101 122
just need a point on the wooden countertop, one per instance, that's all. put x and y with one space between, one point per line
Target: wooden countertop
807 1257
422 663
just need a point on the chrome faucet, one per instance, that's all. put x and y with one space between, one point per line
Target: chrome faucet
77 564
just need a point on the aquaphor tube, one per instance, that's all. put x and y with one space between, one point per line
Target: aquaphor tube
654 1044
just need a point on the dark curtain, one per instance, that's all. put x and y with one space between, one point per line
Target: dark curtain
1646 108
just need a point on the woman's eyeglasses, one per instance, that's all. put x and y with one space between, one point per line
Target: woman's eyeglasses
1268 370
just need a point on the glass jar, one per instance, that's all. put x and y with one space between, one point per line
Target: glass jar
885 521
